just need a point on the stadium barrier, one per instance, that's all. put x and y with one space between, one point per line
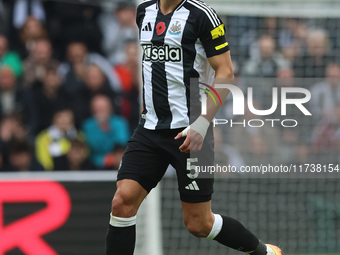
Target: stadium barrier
69 212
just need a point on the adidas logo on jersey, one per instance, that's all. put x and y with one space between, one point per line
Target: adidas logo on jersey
147 27
162 53
192 186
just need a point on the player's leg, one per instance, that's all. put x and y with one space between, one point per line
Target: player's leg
142 167
201 222
121 234
198 218
127 199
195 194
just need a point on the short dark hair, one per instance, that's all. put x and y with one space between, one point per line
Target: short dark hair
78 143
125 4
62 108
16 147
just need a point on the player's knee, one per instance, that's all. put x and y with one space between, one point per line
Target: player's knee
123 205
198 228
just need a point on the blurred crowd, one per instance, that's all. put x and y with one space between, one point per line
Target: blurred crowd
69 85
282 53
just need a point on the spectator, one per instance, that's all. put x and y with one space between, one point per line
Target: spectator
24 9
129 78
31 31
2 20
258 152
75 159
12 100
301 154
255 144
318 55
292 38
118 29
104 130
36 65
21 157
337 159
11 129
48 99
130 65
268 62
1 160
54 141
246 41
300 133
262 68
9 58
95 83
326 93
326 136
114 158
77 58
75 21
73 70
286 77
225 154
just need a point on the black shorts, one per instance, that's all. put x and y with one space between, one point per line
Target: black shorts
148 154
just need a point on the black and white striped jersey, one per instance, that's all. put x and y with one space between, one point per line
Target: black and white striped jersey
175 48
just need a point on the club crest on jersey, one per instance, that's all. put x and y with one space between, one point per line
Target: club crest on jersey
175 29
161 54
160 28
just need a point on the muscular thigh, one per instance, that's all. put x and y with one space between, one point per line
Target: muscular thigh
143 161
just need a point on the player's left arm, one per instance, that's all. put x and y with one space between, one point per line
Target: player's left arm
223 75
212 34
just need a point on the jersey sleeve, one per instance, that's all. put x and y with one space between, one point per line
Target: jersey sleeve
139 15
212 33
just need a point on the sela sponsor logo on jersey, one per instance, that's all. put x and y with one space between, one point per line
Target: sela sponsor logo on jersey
161 53
175 29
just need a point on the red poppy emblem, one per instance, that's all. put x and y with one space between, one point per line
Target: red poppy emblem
160 28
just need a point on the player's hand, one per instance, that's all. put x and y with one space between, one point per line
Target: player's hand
193 142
